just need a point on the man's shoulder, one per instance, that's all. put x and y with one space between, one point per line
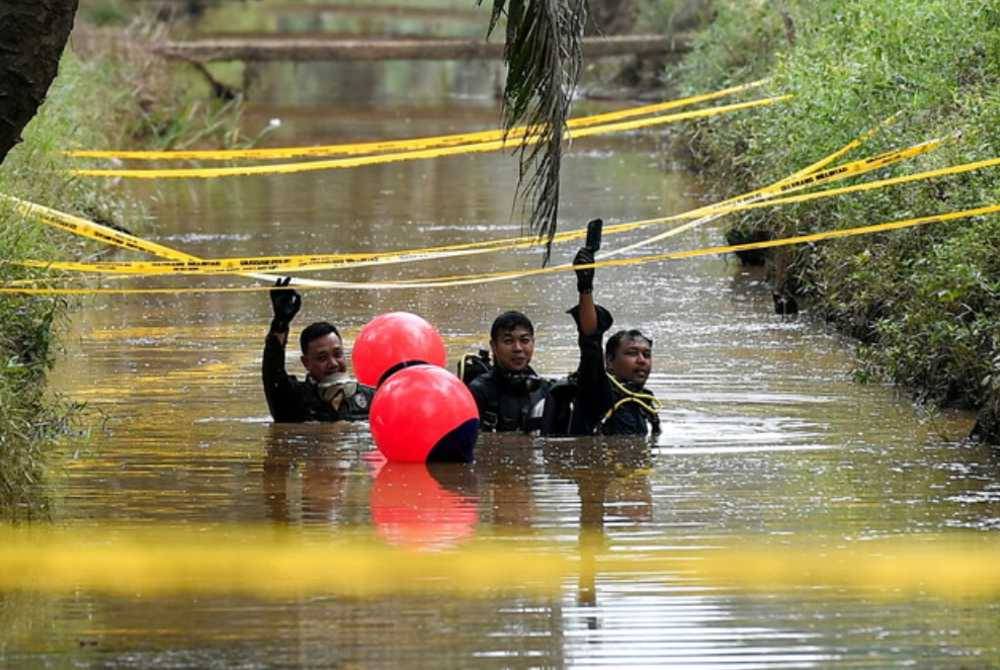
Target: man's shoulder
484 380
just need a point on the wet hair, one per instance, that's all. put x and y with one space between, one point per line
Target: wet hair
315 331
508 321
615 341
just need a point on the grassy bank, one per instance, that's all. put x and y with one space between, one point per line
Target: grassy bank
925 303
34 170
105 95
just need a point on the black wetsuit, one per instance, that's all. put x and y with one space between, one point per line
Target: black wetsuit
596 394
294 401
509 402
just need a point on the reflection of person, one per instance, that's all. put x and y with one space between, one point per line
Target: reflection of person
328 393
611 397
510 396
610 479
307 461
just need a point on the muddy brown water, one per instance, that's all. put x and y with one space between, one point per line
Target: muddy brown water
765 435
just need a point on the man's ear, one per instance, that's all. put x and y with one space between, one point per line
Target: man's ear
303 359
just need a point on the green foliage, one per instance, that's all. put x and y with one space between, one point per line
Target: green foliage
668 17
926 302
35 171
105 12
110 96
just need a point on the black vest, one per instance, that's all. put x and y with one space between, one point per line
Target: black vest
509 402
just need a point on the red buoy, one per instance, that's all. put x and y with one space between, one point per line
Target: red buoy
424 414
413 508
393 341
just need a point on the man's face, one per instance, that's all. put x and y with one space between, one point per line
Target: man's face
512 349
633 361
324 356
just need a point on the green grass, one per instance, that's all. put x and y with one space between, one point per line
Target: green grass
106 98
35 171
925 302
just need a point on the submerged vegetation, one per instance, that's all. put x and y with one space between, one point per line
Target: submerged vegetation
924 302
106 94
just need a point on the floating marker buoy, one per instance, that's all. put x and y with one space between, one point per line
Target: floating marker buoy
392 341
424 414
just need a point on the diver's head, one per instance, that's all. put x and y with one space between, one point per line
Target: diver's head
512 340
629 356
322 350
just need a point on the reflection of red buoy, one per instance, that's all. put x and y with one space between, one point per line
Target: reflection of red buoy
395 340
424 413
411 508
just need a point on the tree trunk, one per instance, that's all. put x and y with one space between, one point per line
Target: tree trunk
33 34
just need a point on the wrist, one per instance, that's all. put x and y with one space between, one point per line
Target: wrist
279 325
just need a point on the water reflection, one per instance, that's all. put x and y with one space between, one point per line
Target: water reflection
420 506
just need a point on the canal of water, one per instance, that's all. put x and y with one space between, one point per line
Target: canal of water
765 435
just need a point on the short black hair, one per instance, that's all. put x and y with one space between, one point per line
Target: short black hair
315 331
509 321
615 341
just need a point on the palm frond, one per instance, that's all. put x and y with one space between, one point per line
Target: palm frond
544 55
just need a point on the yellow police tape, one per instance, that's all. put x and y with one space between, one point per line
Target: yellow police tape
480 147
98 232
91 230
106 234
462 280
271 563
380 146
314 262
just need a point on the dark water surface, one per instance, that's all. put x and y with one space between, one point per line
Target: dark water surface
765 435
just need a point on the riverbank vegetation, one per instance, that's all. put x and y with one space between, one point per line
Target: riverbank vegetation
924 302
105 95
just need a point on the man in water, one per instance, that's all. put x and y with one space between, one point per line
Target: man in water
510 396
327 393
611 397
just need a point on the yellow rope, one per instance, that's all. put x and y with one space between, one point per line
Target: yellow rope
479 278
333 261
480 147
358 148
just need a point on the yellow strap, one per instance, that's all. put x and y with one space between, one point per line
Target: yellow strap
647 401
90 230
315 262
407 144
481 147
462 280
95 231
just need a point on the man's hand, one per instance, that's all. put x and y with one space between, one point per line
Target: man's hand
286 303
585 276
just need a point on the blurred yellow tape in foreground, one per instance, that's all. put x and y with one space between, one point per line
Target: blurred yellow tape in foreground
269 563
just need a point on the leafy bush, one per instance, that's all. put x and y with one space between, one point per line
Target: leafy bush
925 301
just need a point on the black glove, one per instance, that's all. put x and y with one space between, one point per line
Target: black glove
584 277
286 303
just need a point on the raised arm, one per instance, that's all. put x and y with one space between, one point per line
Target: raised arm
285 303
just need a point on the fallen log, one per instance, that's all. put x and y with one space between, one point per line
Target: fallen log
295 49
